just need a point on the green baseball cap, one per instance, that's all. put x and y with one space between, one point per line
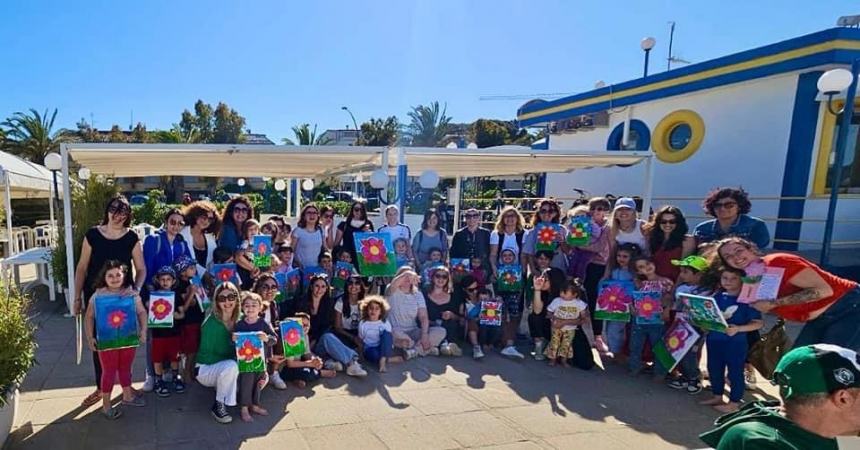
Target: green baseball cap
693 261
814 369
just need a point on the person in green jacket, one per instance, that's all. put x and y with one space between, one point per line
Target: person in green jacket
216 360
820 388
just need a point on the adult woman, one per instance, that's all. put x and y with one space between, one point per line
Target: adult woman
730 209
668 240
318 304
237 211
408 316
626 226
216 360
549 211
202 224
430 236
347 315
828 304
110 240
547 287
308 239
356 222
326 218
506 235
266 286
599 246
443 309
395 228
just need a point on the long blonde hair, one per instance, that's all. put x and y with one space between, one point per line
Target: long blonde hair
500 221
216 310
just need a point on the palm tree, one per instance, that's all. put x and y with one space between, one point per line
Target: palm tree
428 125
29 135
306 136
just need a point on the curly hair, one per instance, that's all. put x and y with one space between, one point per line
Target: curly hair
364 307
227 217
656 240
195 210
737 194
500 222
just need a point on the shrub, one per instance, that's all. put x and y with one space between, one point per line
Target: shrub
341 208
18 352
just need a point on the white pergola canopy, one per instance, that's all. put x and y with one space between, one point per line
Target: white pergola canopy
26 179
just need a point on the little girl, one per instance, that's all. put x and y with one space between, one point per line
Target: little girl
401 252
251 383
565 313
482 337
375 332
244 255
513 307
648 280
115 363
614 331
477 270
728 351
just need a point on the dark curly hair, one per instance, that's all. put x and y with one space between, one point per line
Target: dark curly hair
120 203
737 194
656 240
195 210
227 217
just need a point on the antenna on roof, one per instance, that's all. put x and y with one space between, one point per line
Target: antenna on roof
849 21
672 58
131 123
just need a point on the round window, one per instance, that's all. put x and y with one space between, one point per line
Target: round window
680 136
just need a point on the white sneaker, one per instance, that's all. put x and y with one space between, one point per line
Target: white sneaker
512 352
538 353
355 370
277 382
434 351
149 384
410 353
454 349
333 365
477 353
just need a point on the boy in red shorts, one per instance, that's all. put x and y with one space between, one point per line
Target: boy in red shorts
165 341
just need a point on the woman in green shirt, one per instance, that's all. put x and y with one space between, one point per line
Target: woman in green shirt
216 359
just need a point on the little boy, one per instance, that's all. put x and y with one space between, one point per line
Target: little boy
308 367
692 269
166 341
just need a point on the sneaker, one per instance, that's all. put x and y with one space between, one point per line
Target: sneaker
538 353
277 382
455 349
600 345
512 352
477 353
434 351
219 412
355 370
160 388
149 384
677 383
333 365
136 401
694 387
749 376
178 385
167 377
410 353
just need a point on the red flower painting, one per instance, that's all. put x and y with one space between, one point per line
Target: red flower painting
116 319
248 352
373 250
225 275
546 235
262 249
293 336
647 307
613 299
161 308
676 339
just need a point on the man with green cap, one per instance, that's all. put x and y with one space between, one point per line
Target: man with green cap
820 388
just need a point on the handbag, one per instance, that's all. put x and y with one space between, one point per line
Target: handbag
766 353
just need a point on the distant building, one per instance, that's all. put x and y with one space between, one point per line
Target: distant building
339 137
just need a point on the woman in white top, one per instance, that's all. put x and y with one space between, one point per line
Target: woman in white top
625 227
408 316
307 239
201 225
395 228
507 234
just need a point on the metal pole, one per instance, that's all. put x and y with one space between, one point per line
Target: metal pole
8 205
54 195
289 193
838 162
402 173
67 225
649 186
458 185
647 52
671 39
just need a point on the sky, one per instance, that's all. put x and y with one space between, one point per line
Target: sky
282 63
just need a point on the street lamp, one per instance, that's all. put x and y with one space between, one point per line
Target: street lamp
307 185
647 44
280 185
831 83
241 183
54 162
84 174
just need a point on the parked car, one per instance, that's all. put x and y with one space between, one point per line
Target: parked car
344 196
138 199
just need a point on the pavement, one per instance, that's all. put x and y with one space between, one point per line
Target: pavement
434 403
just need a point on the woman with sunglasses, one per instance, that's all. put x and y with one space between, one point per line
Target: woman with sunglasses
317 303
202 224
266 286
216 360
347 315
730 209
443 310
599 247
237 211
430 236
356 222
548 211
410 323
308 238
668 239
112 239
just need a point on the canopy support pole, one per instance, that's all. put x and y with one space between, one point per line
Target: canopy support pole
458 184
289 195
52 192
8 205
298 199
400 190
649 186
67 230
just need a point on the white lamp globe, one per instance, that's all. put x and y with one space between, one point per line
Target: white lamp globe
280 185
451 144
240 182
379 179
53 161
648 43
308 184
84 174
834 81
429 179
472 145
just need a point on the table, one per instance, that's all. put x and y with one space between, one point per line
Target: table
41 258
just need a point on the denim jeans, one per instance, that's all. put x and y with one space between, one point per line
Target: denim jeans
383 350
838 325
638 335
614 333
329 344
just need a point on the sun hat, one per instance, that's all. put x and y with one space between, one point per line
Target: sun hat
693 261
624 202
815 369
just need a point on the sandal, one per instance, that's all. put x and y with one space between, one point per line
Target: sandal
112 414
91 399
135 401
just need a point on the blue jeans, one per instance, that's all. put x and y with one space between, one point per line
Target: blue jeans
329 345
728 354
614 333
837 325
382 350
638 334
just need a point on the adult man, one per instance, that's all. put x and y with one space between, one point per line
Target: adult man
472 241
820 388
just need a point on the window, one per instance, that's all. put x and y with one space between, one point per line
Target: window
638 139
850 183
678 136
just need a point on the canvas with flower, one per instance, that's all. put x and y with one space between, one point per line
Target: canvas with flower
704 312
678 340
579 231
224 273
290 284
647 308
116 322
203 299
510 278
250 353
375 253
459 268
262 248
161 306
293 337
547 236
491 313
614 299
342 272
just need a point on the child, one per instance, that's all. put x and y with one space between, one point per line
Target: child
482 337
692 270
578 257
728 351
477 270
251 383
116 362
375 332
244 254
513 307
324 261
187 299
648 280
614 331
537 322
565 313
401 252
285 255
166 341
308 367
343 255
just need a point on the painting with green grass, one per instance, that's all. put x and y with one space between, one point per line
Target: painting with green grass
116 322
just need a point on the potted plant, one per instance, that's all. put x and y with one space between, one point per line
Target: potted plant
17 354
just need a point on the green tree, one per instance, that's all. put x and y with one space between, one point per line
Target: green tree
86 132
139 135
31 136
488 133
227 125
428 124
379 132
116 135
305 136
197 127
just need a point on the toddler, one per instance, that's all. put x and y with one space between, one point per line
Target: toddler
565 313
166 341
513 307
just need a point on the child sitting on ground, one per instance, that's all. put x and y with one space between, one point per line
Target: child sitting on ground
565 313
482 337
308 367
375 332
251 383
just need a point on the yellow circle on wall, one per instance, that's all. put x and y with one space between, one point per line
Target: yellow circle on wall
678 136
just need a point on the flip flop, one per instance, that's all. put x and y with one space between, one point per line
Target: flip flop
91 399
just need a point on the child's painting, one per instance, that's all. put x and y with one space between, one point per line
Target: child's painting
261 247
310 272
459 268
292 284
342 272
203 300
161 305
764 286
375 254
293 337
678 340
250 353
116 322
224 273
614 299
647 308
704 312
491 313
579 231
547 236
510 278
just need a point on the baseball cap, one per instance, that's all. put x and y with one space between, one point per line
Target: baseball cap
693 261
814 369
183 262
625 202
164 270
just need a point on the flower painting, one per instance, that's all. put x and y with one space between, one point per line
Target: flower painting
678 340
459 268
342 272
292 284
262 249
614 299
224 273
510 278
647 307
704 312
250 353
375 254
579 231
161 309
547 236
293 337
491 313
116 322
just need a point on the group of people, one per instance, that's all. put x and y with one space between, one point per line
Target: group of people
430 308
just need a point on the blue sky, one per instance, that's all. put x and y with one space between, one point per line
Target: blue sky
280 63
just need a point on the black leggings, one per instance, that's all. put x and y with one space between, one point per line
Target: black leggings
539 325
593 274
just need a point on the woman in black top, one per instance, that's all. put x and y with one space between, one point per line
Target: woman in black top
443 308
356 222
110 240
547 286
346 312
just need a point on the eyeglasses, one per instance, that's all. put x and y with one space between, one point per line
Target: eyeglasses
668 222
546 210
472 216
268 287
241 209
309 212
725 205
210 218
118 209
227 298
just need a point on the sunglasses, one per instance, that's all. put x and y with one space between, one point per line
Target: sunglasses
441 276
472 289
176 222
227 298
210 218
668 222
546 210
725 205
331 216
315 213
118 209
472 216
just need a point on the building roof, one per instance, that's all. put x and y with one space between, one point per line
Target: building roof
828 47
257 139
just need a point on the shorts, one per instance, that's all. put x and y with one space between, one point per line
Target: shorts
165 349
513 303
189 338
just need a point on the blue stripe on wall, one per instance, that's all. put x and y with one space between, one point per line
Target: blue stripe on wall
798 159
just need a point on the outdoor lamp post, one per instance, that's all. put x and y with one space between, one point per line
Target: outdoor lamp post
84 174
354 123
54 162
647 44
241 183
831 83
